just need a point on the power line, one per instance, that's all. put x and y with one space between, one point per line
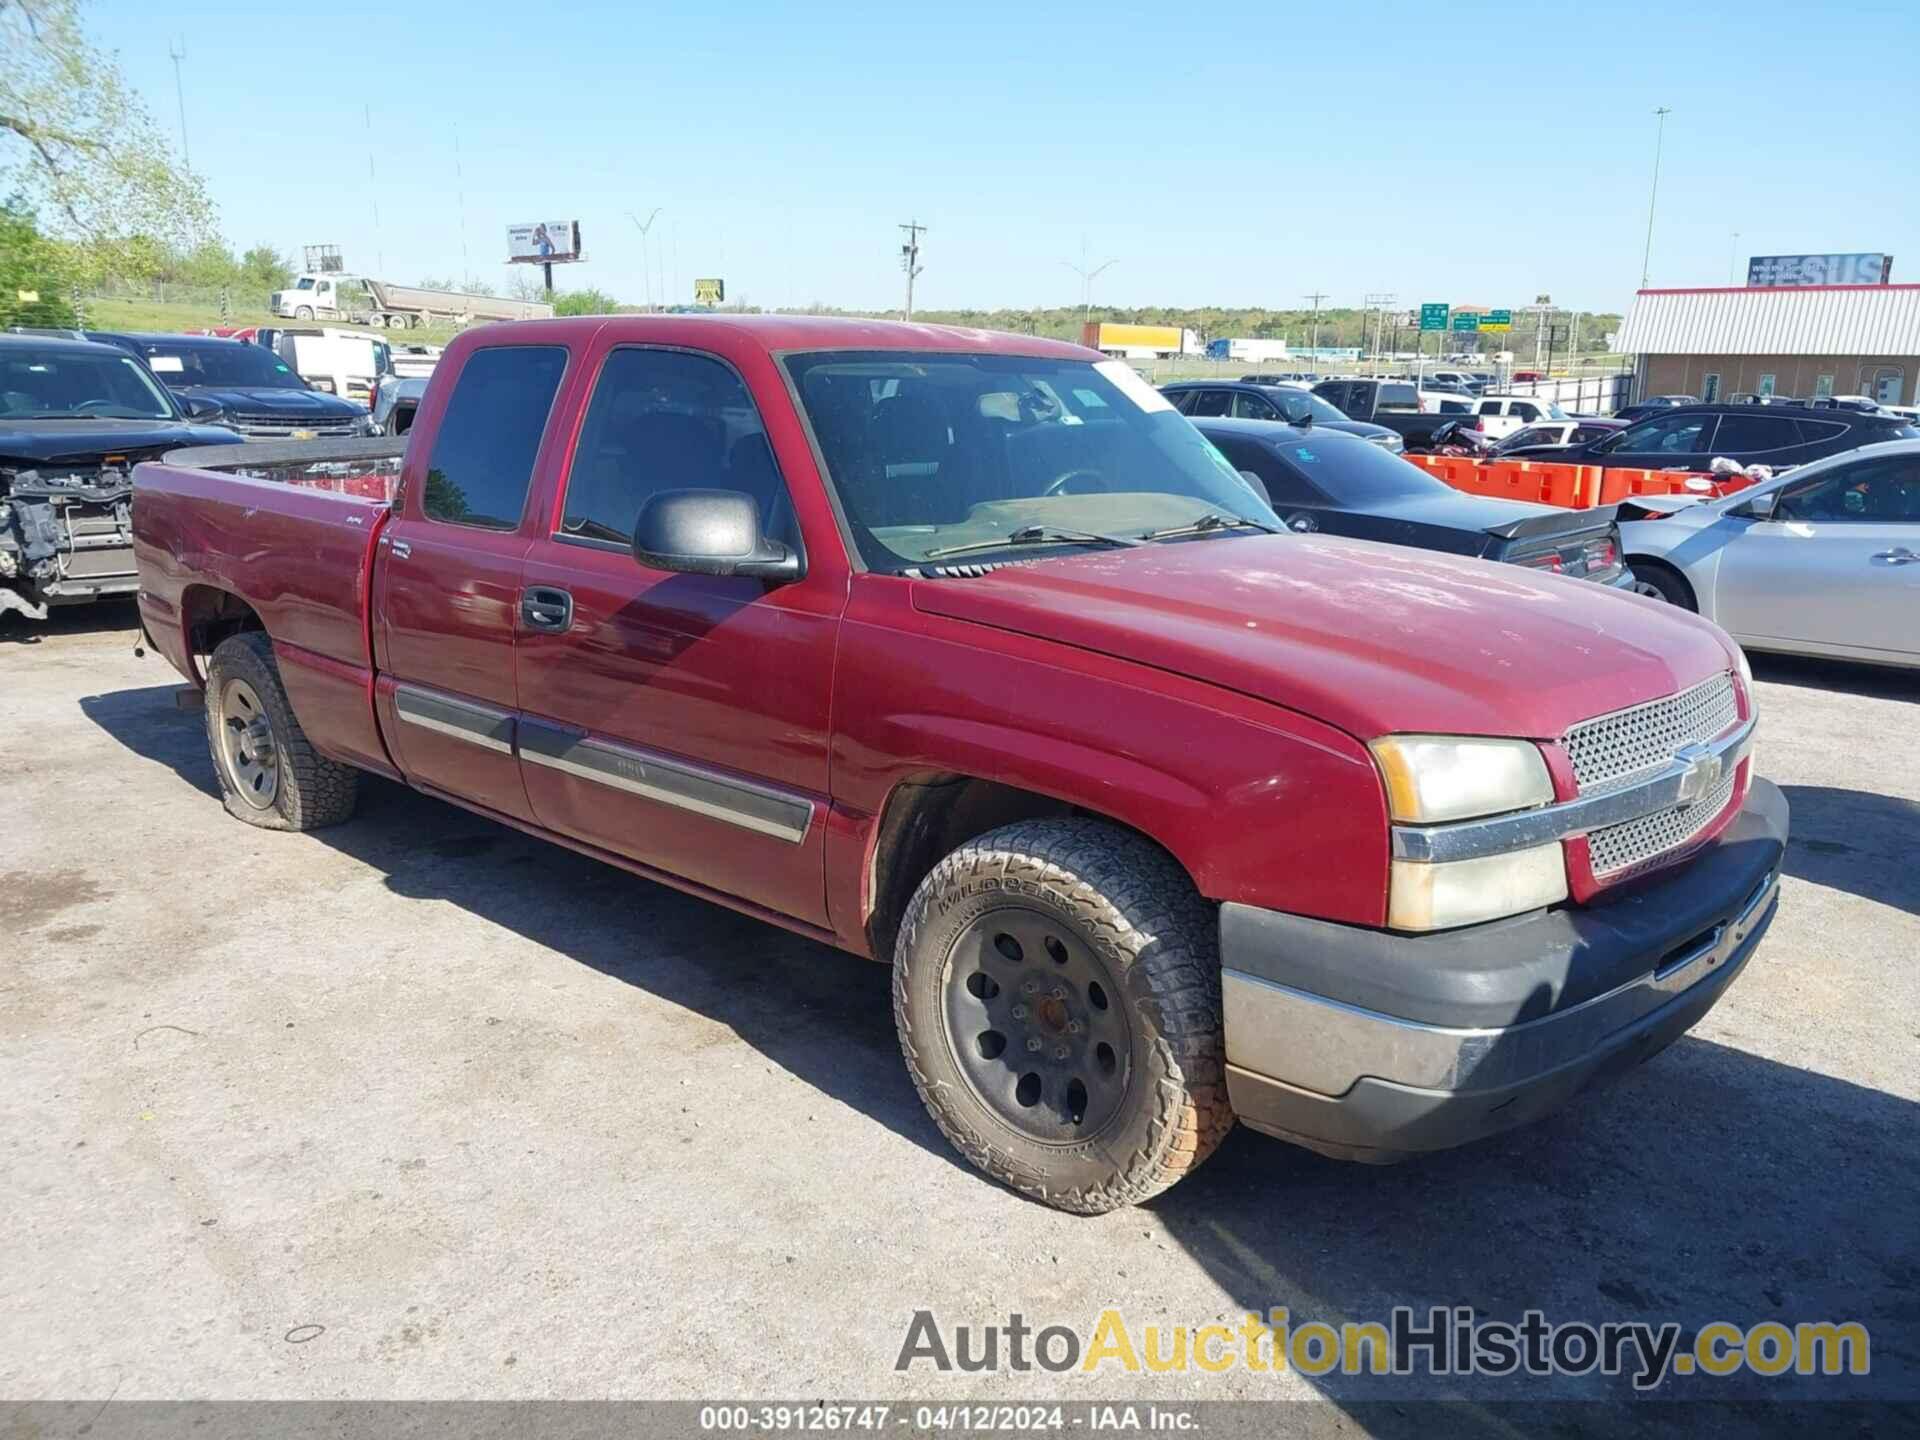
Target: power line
910 258
1659 139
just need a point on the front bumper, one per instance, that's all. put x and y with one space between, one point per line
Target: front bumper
1375 1046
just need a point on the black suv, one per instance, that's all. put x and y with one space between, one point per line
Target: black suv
1691 437
1244 400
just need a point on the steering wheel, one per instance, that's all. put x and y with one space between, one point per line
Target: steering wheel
90 404
1063 480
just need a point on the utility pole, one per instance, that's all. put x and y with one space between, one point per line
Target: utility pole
1378 303
1659 139
177 53
1087 277
1316 298
1733 255
646 273
910 258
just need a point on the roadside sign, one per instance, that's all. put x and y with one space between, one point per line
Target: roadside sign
1433 317
1497 320
1465 322
709 292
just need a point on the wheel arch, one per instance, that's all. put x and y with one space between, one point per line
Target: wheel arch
208 615
1669 571
929 815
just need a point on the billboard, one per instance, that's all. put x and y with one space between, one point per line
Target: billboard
709 292
1871 268
543 242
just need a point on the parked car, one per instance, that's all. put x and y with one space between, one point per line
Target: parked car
1824 561
1652 405
396 401
966 652
1460 380
1501 415
1692 437
1282 377
1394 404
347 363
1331 483
75 418
1200 398
242 386
1547 435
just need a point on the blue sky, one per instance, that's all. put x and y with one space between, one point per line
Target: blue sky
1220 153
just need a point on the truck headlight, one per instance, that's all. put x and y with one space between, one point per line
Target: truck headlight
1432 779
1435 778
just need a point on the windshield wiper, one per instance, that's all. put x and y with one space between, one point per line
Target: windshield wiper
1207 524
1035 535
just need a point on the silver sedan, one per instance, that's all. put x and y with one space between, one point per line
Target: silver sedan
1823 560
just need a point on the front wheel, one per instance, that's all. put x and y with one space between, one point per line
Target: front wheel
303 312
270 775
1657 582
1057 992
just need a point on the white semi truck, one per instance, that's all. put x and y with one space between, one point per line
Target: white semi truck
329 295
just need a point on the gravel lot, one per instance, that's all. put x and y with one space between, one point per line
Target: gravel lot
419 1107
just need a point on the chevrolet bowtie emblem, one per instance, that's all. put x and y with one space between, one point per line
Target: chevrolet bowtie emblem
1702 774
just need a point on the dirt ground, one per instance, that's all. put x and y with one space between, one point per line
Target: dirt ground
421 1107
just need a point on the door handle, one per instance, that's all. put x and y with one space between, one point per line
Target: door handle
543 607
1899 555
401 549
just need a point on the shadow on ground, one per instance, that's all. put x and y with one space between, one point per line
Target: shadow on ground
1857 842
103 617
1711 1184
1843 677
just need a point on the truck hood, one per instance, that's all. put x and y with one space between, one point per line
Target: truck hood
79 442
272 400
1374 639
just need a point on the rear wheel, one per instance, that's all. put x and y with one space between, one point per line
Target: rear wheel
270 776
1057 992
1661 582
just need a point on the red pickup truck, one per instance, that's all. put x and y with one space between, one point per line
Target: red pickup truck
966 652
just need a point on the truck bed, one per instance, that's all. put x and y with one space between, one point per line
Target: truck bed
289 529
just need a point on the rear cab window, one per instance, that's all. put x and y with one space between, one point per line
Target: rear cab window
483 452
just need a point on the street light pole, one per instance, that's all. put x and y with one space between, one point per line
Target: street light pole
1659 139
646 272
1087 277
910 259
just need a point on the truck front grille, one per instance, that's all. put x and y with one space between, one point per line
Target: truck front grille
1620 849
280 425
1613 750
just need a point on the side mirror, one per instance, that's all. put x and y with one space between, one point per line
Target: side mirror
1757 507
198 407
710 532
1259 486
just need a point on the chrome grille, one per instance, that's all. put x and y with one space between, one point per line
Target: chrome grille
281 425
1621 848
1614 749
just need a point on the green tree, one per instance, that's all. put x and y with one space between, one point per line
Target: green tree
264 269
31 264
77 143
584 302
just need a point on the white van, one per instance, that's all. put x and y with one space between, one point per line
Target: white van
341 362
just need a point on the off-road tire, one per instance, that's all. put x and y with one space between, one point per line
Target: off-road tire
1140 916
1661 582
312 791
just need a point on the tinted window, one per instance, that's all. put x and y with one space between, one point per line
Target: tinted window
1399 395
1354 472
104 384
1739 433
228 363
667 420
1248 406
1284 486
1182 400
1685 434
1334 392
483 453
1880 491
1211 402
1813 432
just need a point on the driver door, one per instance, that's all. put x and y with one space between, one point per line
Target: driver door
1835 569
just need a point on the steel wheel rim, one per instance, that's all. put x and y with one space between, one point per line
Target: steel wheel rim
1034 1020
247 750
1651 591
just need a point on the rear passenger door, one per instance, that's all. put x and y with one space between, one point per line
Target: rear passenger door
678 720
448 580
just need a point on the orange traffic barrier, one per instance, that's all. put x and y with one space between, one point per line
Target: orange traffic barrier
1573 487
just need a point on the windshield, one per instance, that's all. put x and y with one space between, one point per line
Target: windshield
930 452
1356 472
54 384
236 363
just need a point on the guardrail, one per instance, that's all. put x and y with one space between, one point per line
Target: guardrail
1572 487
